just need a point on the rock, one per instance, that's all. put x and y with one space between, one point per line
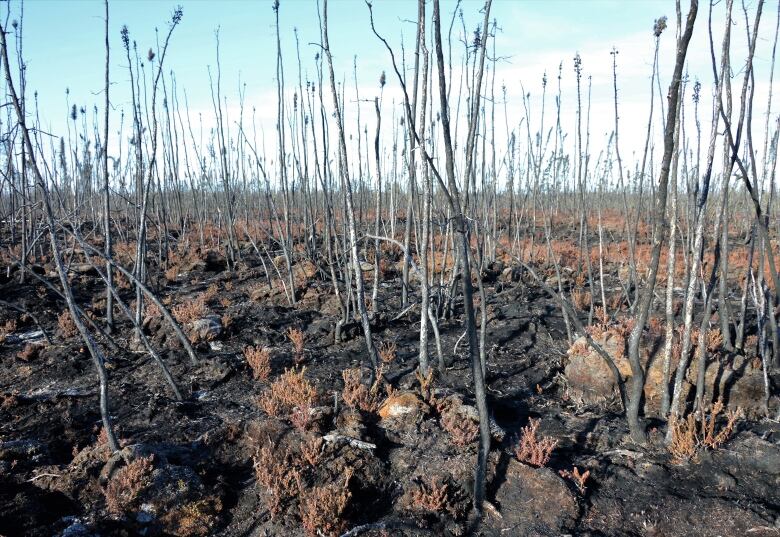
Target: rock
84 269
365 266
19 449
552 281
590 378
203 330
211 372
470 412
511 274
738 381
535 501
403 404
280 262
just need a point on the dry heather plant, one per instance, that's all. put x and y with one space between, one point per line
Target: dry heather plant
462 430
172 273
290 391
387 351
580 299
259 360
322 508
195 518
301 417
127 484
579 478
296 338
311 450
7 329
655 325
601 315
357 395
191 310
278 475
533 450
151 311
691 435
211 292
431 496
66 325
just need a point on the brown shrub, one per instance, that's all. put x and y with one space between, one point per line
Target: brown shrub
691 435
311 450
322 508
578 478
357 395
581 299
655 326
297 339
66 325
211 292
290 391
387 351
30 352
259 360
279 476
7 329
227 319
462 430
431 496
127 484
191 310
301 417
532 450
192 518
172 273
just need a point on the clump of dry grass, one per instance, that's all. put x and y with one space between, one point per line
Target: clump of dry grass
531 449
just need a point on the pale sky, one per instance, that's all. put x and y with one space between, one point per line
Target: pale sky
64 48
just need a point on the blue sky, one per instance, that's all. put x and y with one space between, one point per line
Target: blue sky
63 47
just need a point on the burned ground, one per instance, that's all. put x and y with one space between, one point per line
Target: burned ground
388 468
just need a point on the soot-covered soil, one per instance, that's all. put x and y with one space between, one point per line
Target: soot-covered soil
395 471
